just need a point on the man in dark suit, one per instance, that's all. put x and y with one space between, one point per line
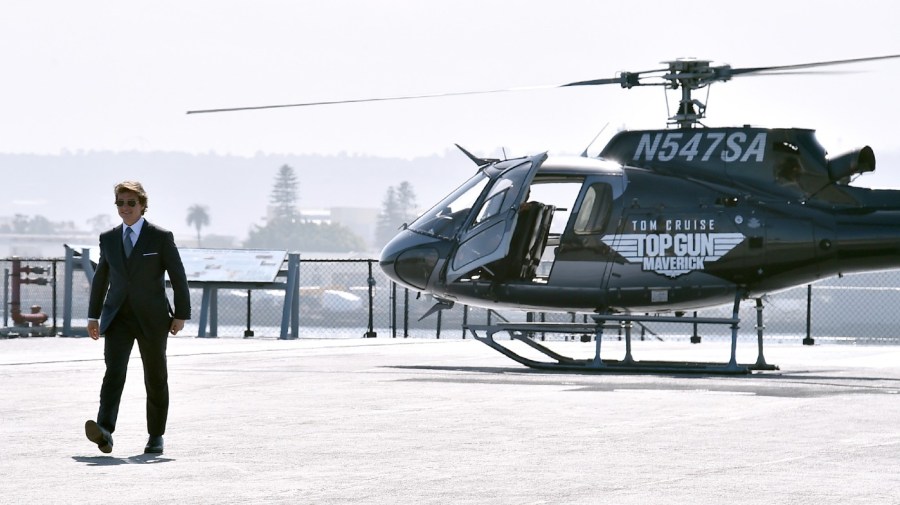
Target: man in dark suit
128 302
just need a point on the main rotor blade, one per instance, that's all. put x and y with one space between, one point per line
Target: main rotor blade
804 72
624 79
757 70
594 82
377 99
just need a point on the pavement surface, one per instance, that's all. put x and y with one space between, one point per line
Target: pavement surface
396 421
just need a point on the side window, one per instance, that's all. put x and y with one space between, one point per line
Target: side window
493 204
594 212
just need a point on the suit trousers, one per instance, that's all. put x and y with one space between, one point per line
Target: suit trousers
118 342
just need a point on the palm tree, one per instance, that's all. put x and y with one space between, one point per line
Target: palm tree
198 216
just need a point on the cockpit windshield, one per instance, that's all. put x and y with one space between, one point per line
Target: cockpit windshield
447 217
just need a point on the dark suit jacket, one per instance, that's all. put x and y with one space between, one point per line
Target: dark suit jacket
140 279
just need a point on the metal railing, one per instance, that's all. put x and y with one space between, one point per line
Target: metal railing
355 299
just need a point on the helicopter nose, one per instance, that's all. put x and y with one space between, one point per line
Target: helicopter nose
410 258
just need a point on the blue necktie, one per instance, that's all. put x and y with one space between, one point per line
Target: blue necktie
129 245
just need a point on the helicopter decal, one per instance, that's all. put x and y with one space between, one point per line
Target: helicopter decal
673 255
668 146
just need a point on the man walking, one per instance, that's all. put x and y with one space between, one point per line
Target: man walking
128 303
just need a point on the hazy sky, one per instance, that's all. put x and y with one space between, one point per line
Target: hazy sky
119 75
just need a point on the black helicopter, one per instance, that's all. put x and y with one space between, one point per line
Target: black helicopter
662 221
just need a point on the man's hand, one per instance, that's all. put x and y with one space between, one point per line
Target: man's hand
93 328
176 326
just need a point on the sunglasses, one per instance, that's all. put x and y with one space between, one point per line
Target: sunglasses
121 203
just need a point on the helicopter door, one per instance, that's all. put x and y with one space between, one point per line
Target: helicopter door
489 234
582 258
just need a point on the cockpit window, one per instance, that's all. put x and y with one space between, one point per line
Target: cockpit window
447 217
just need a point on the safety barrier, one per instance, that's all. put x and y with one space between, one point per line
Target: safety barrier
354 299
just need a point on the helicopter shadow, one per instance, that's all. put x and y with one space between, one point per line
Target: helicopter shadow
140 459
490 370
778 375
795 384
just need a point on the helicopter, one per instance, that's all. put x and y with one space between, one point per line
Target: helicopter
661 222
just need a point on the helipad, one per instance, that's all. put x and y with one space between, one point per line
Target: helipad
389 421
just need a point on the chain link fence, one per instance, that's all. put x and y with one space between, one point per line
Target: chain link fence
354 299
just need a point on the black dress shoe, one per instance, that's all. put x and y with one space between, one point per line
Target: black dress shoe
154 445
99 435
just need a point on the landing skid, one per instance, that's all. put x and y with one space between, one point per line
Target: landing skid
521 332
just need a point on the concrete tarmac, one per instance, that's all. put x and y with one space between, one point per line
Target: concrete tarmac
403 421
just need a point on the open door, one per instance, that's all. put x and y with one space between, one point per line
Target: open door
493 219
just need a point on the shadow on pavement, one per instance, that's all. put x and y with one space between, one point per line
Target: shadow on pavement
140 459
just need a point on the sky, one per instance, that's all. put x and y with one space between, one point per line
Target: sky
119 76
113 75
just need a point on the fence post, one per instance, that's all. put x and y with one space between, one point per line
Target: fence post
295 306
393 309
439 324
5 297
465 320
371 333
695 337
67 291
248 332
808 340
405 312
291 310
55 295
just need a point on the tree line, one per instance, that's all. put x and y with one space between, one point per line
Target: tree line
283 227
36 225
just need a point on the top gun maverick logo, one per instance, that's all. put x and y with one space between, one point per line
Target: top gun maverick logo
673 247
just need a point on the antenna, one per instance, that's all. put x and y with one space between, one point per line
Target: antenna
584 154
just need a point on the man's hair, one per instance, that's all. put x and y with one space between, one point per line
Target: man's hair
136 188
